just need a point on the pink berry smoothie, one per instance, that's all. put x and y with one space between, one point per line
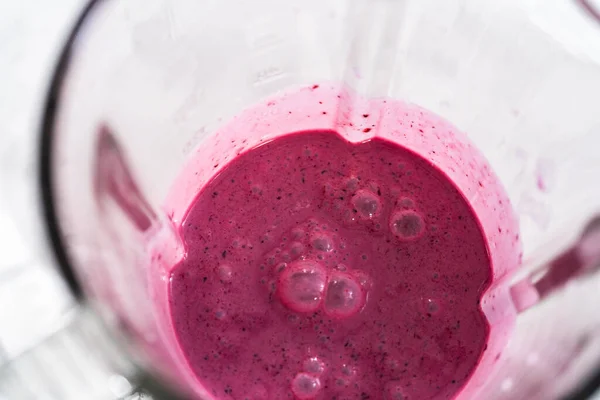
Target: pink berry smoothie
336 247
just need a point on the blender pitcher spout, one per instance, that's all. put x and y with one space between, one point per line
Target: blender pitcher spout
371 68
375 29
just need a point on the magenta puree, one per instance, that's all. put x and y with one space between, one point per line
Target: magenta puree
340 259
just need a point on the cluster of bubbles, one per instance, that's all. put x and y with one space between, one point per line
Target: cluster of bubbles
406 223
306 286
307 273
306 280
306 384
347 373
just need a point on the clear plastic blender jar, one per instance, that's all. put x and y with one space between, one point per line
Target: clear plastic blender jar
143 85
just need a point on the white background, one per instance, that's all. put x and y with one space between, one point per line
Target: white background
32 298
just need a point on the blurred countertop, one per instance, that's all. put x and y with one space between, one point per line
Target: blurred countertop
33 300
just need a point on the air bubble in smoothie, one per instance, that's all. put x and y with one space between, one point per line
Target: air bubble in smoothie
407 224
225 273
406 202
341 267
432 306
280 267
298 233
352 183
366 203
322 242
314 365
306 386
301 286
296 250
348 371
344 296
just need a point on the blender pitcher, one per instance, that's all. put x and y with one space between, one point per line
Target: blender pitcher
142 85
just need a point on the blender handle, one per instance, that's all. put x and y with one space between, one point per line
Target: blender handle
580 259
